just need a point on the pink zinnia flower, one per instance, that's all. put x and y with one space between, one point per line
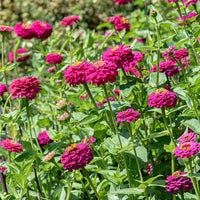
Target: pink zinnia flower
176 182
75 74
51 69
54 58
120 55
138 56
68 21
186 150
141 40
110 99
188 137
167 52
89 140
64 117
190 15
3 89
27 86
42 29
24 31
162 98
71 104
117 92
99 104
128 115
11 145
2 169
5 29
120 22
167 67
109 32
181 53
82 97
102 72
43 138
19 59
123 2
76 156
149 168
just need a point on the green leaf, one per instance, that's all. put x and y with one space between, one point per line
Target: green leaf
12 130
90 119
135 191
153 79
44 123
126 89
169 148
181 42
142 153
158 134
24 155
20 180
193 124
147 182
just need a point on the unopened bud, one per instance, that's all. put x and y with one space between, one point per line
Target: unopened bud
153 13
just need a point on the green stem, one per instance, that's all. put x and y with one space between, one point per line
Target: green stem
2 58
90 95
85 172
182 195
15 53
69 191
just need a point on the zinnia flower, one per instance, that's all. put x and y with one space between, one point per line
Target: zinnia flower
128 115
3 89
19 59
102 72
24 31
76 156
2 169
181 53
61 103
190 15
49 156
43 138
11 145
188 137
176 182
123 2
51 69
162 98
89 140
68 21
190 2
167 67
75 74
141 40
120 22
64 117
186 150
167 52
120 55
5 29
27 86
54 58
42 29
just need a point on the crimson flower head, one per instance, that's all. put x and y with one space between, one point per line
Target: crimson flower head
128 115
5 29
51 69
168 51
43 138
3 89
123 2
27 86
89 140
102 72
120 22
168 67
42 29
24 31
12 145
181 53
190 15
76 156
177 182
75 74
190 2
54 58
188 137
162 98
68 21
19 59
186 150
120 55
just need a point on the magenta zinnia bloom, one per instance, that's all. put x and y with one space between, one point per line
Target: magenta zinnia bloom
120 22
167 52
162 98
3 89
76 156
141 40
68 21
188 137
51 69
176 182
102 72
12 145
43 138
120 55
128 115
181 53
75 74
24 31
27 86
186 150
42 29
190 2
19 59
89 140
54 58
110 99
123 2
190 15
167 67
5 29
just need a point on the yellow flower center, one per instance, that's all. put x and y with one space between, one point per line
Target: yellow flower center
161 92
13 142
72 147
99 63
115 48
124 20
76 63
176 172
43 24
185 146
26 26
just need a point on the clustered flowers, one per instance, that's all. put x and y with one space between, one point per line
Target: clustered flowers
162 98
27 86
177 182
11 145
76 156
